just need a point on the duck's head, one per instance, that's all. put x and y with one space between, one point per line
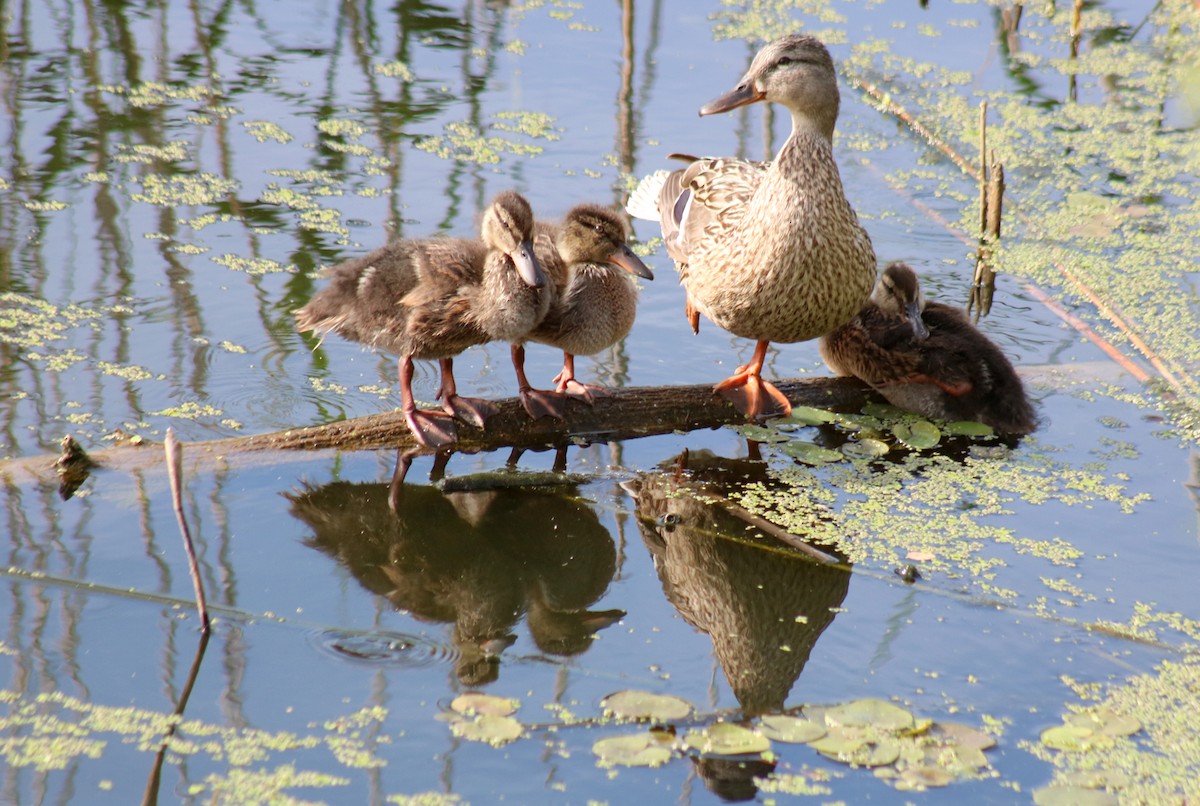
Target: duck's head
508 227
594 234
796 71
898 292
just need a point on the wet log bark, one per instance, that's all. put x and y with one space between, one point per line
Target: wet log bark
623 414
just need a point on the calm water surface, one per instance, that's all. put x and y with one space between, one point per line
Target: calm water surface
174 175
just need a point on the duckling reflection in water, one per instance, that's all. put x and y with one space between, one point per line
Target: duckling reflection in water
927 358
750 597
432 299
478 560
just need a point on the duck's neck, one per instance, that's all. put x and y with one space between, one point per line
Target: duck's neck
806 125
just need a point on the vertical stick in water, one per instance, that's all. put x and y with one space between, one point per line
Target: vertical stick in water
174 451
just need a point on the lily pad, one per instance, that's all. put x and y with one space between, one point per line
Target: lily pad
1073 738
968 428
811 454
475 703
884 411
807 415
923 777
857 748
919 435
647 749
792 729
964 735
632 704
1106 722
870 712
758 433
494 730
865 448
1073 796
725 739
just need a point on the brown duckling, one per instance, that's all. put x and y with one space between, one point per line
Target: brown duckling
595 299
768 251
433 298
927 358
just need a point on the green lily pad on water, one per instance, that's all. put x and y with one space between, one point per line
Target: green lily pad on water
758 433
865 448
1074 738
854 746
811 454
968 428
1105 721
885 411
963 735
647 749
916 779
632 704
1073 796
725 739
792 729
475 703
919 435
494 730
870 712
807 415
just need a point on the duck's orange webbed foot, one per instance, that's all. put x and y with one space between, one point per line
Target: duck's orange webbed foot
542 403
567 385
750 394
433 429
473 410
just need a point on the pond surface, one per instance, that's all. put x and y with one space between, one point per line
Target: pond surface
173 177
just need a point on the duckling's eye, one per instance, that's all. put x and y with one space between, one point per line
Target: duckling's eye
782 60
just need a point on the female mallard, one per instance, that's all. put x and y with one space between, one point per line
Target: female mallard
434 298
595 300
927 358
768 251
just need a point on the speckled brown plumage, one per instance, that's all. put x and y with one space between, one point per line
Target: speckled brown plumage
595 303
768 251
434 298
927 358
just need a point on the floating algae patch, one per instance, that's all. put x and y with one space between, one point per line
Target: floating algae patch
467 143
184 191
55 731
1136 740
264 130
28 322
942 508
254 266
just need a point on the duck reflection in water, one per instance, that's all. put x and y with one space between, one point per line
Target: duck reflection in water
479 560
764 605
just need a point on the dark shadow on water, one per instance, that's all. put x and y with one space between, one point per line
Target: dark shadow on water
763 604
479 560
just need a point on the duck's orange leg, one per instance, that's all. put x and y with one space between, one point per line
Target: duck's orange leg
537 402
693 315
473 410
433 429
566 383
747 390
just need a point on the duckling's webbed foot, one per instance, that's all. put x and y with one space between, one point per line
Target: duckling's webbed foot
567 385
473 410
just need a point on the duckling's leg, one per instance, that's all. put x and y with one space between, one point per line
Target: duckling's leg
473 410
747 390
569 386
537 402
433 429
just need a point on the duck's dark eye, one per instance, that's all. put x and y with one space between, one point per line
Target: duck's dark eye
784 60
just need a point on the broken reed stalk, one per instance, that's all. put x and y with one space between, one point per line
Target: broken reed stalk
174 453
1173 376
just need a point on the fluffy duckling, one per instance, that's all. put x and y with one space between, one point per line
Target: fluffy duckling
434 298
595 300
927 358
768 251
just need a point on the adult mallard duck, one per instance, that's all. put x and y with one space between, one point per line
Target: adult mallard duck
434 298
768 251
927 358
589 262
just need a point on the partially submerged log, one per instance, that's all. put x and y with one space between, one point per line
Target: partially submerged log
622 414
